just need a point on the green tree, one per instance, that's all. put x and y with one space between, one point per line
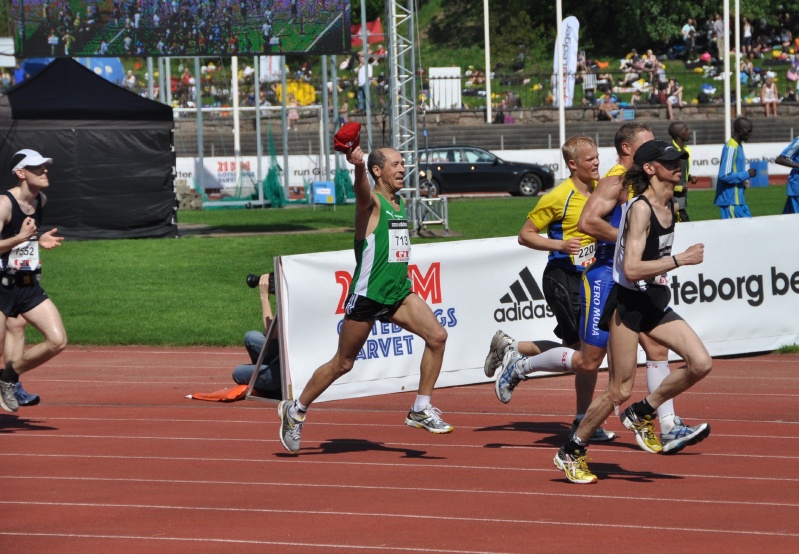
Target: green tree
605 28
459 25
6 24
374 8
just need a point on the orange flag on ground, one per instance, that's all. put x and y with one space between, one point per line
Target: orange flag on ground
224 395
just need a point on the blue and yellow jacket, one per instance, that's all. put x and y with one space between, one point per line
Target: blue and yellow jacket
732 176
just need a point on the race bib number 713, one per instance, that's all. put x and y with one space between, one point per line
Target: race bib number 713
399 241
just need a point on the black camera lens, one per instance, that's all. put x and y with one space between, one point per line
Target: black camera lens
252 280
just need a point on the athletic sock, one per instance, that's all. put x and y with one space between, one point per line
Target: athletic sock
573 445
643 409
576 440
420 403
656 372
556 360
297 410
9 374
666 421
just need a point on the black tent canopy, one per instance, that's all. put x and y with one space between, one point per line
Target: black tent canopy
112 171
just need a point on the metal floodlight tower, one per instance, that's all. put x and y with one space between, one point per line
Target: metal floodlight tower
402 90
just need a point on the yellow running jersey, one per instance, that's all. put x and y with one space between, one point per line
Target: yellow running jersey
558 212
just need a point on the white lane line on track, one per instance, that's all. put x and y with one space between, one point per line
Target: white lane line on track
559 418
412 464
45 435
380 548
433 517
581 497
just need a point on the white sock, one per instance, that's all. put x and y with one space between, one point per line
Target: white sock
556 360
420 403
656 372
295 409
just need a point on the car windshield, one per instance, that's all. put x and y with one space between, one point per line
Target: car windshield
477 156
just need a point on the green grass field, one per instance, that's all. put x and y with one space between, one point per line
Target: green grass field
191 291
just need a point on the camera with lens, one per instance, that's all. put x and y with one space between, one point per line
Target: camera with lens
253 280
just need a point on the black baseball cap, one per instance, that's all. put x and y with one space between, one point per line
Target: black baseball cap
657 150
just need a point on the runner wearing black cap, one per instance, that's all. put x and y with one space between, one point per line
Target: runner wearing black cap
643 258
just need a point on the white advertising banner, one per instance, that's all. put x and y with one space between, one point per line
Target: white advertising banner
743 298
705 158
220 171
570 30
461 281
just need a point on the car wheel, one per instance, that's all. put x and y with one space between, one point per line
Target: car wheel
432 189
529 185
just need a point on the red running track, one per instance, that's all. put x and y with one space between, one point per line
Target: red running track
116 459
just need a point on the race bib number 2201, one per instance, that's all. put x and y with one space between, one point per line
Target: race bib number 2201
586 255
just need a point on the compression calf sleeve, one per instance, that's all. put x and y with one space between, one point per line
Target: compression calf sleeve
656 372
556 360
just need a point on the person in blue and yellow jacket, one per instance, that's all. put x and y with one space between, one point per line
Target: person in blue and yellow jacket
733 176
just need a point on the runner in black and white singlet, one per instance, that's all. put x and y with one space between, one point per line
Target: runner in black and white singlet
21 211
643 258
601 218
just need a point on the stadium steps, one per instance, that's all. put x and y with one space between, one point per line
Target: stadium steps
219 142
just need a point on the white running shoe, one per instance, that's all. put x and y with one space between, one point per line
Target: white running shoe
500 344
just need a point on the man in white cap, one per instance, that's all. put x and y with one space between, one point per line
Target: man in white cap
21 210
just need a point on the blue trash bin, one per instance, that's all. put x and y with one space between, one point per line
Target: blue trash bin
761 179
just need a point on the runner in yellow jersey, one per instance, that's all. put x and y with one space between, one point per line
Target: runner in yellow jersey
570 252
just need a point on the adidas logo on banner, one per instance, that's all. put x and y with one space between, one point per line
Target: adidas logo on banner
522 287
526 301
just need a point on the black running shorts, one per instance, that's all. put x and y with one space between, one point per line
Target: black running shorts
642 311
360 308
562 293
18 299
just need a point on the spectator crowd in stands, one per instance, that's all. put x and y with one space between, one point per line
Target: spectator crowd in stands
172 28
769 71
699 48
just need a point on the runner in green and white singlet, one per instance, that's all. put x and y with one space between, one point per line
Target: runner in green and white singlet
380 291
382 257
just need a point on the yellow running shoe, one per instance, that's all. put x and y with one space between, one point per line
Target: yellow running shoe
575 466
644 429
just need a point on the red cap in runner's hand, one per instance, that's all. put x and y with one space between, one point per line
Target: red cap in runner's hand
349 136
